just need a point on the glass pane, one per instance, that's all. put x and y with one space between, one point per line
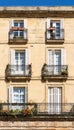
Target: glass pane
21 33
22 58
58 30
15 90
16 55
21 24
22 55
22 91
16 60
15 33
15 23
19 94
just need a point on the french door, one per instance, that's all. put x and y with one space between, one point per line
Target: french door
18 33
19 62
56 24
54 62
18 96
55 100
57 62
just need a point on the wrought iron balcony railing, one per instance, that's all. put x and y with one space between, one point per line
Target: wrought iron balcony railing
42 109
18 70
19 38
55 108
54 70
52 35
15 109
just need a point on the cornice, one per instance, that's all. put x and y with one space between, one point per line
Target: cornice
37 11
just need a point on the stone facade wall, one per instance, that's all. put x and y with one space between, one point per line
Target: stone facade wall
43 125
37 90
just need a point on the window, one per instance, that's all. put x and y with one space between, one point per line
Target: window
20 61
55 100
56 60
56 32
19 32
19 23
18 29
55 29
18 95
56 57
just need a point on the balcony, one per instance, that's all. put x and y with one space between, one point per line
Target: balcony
37 111
55 108
54 37
54 71
18 72
21 36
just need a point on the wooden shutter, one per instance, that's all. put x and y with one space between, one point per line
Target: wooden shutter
11 32
50 61
11 23
25 23
51 100
48 26
59 99
27 56
11 35
63 57
12 61
12 57
25 28
59 91
26 94
62 28
27 61
10 94
50 57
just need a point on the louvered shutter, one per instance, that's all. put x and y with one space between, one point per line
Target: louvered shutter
50 60
25 28
48 26
51 100
63 57
11 23
12 57
59 99
27 60
27 56
12 61
62 29
26 94
10 94
11 32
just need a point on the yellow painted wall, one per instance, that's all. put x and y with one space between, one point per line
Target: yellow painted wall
38 90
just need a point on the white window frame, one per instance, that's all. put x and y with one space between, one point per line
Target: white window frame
11 96
18 32
54 25
61 21
19 21
24 25
51 57
27 60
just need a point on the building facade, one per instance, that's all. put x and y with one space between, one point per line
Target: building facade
37 57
